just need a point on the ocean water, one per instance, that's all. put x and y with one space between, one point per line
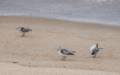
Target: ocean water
101 11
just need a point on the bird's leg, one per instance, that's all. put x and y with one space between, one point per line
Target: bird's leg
23 34
64 58
94 56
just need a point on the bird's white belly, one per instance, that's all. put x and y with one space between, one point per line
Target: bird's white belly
92 48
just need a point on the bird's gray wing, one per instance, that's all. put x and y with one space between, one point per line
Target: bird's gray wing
66 52
27 30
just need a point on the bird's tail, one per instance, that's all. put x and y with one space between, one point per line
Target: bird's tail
73 51
18 28
30 29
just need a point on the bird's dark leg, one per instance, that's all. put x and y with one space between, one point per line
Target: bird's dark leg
63 58
23 34
94 55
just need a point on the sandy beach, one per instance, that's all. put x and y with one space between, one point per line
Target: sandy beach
38 50
11 69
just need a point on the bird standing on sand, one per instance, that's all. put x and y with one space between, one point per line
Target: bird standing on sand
65 52
94 50
23 30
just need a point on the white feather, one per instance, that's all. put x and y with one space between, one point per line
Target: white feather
92 48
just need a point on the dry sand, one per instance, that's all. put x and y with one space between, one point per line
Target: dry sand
39 47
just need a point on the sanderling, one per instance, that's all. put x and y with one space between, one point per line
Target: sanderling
65 52
94 50
23 30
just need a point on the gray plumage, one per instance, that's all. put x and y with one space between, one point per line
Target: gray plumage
65 52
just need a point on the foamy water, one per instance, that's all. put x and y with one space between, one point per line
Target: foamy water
103 11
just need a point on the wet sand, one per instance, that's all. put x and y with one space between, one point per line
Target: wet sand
39 47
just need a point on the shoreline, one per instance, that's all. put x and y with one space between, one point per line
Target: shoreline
63 20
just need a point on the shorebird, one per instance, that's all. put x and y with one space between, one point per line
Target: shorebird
23 30
94 50
65 52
